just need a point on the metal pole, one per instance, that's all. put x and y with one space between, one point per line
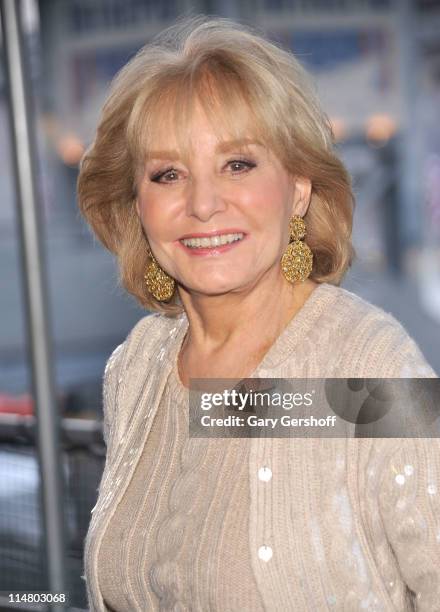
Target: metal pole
35 287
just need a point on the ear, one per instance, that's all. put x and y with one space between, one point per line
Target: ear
302 196
138 208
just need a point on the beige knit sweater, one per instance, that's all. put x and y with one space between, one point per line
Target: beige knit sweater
263 524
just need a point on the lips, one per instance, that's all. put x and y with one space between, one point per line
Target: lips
228 230
212 241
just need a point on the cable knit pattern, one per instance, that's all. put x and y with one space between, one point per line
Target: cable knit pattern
353 524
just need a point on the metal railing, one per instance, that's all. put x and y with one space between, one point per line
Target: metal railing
22 537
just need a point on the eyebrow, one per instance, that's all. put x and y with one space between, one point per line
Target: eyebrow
222 147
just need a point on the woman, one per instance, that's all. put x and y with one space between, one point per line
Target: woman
213 179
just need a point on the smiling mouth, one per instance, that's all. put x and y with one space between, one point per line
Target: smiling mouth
213 241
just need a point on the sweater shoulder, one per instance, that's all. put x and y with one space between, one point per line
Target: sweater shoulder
149 334
372 341
146 337
349 316
356 309
150 330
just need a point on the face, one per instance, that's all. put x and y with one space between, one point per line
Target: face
219 223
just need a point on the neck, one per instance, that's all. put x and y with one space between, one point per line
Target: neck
260 312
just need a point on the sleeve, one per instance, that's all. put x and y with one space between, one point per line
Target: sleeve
109 389
116 369
405 359
409 503
386 350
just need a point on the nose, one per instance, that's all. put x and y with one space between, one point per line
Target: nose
204 199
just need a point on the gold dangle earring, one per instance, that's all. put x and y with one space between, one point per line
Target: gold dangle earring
158 282
297 260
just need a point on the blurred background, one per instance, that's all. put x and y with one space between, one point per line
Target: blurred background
376 67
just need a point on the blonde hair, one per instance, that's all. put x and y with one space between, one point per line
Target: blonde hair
243 82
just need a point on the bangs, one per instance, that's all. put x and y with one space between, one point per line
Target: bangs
232 109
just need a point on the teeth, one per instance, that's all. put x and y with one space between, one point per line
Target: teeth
215 241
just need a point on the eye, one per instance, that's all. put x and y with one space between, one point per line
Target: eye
170 175
240 165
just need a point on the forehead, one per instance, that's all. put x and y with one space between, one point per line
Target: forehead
178 121
170 137
220 146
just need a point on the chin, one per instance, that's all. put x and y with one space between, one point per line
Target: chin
213 287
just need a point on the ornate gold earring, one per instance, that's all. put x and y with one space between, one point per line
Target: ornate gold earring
159 284
297 260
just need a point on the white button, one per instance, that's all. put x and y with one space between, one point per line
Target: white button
265 473
265 553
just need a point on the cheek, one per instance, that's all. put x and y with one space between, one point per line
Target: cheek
154 214
271 205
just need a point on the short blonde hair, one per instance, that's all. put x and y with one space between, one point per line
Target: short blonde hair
243 82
